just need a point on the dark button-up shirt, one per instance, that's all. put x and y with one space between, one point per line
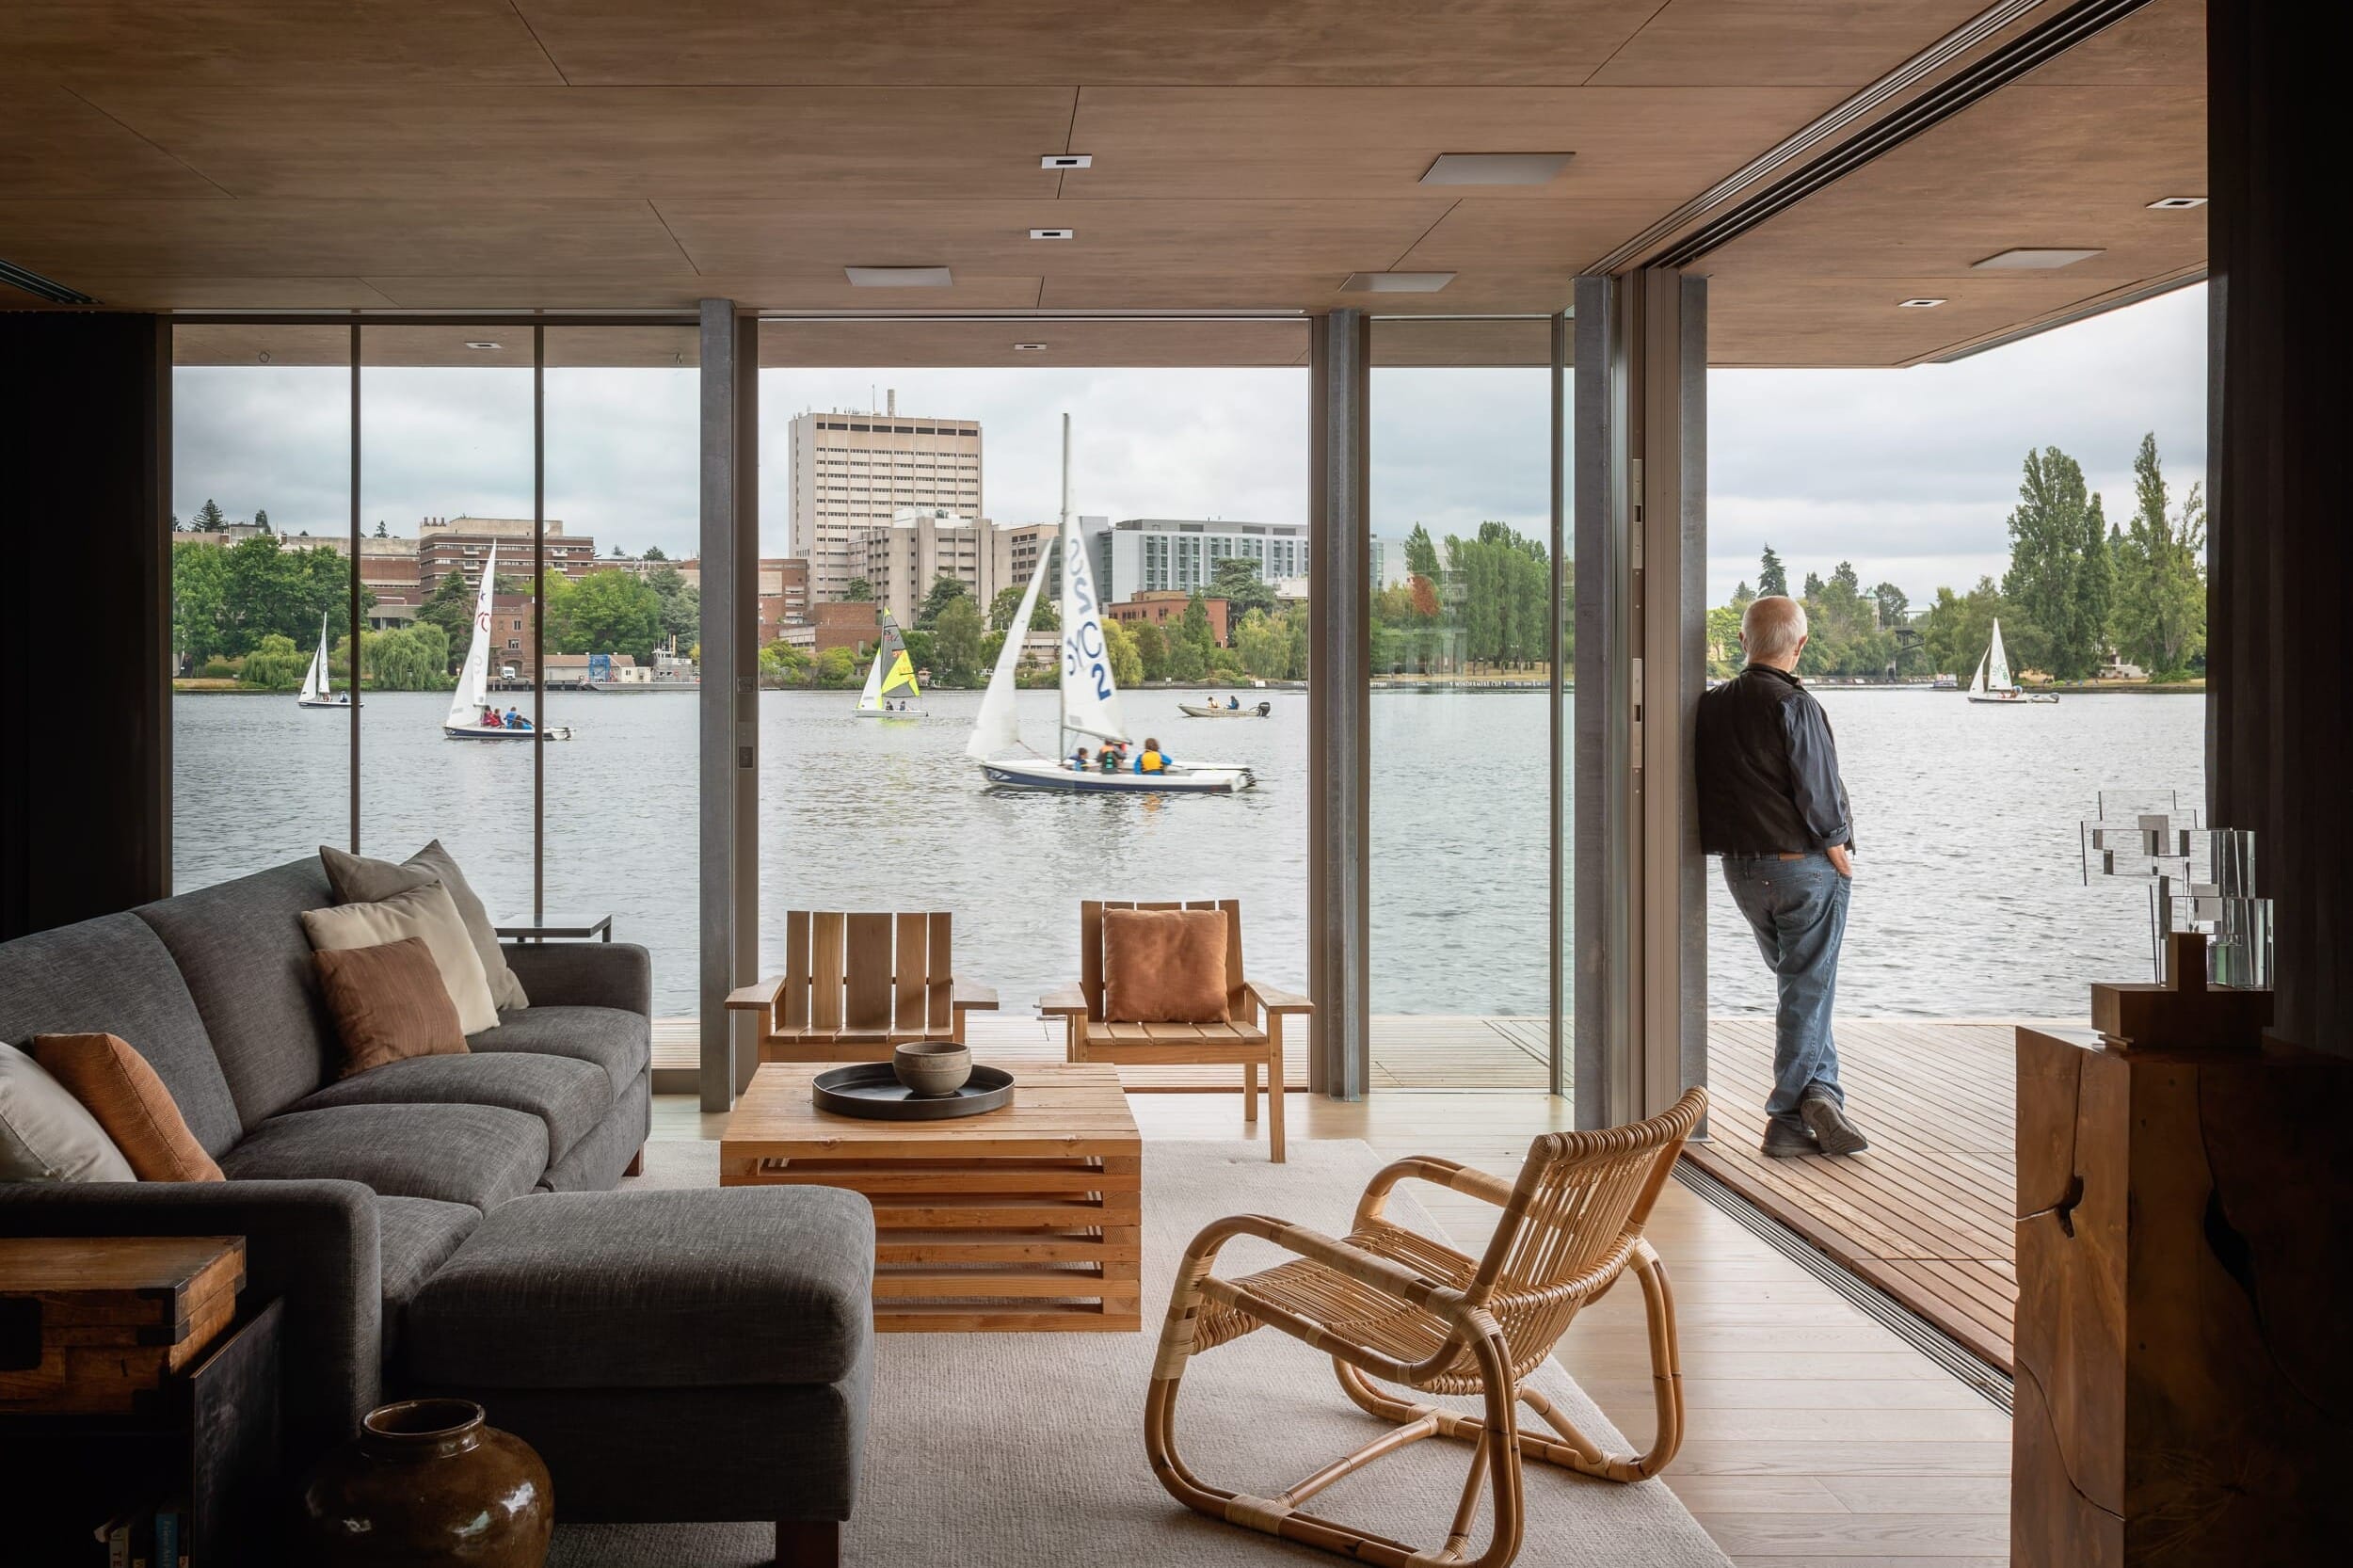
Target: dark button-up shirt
1768 769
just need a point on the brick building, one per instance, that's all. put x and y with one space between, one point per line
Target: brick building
1165 608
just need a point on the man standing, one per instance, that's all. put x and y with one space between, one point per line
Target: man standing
1771 804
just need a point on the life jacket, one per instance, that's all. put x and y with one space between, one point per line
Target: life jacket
1151 761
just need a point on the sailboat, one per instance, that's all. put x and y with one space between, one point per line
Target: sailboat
1090 697
891 672
464 719
1995 683
318 690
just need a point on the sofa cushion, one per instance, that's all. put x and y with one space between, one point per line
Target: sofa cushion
688 1287
477 1154
415 1236
241 948
570 1097
120 1089
429 915
357 879
114 974
620 1043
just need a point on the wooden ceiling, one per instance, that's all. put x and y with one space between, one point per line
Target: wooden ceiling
629 155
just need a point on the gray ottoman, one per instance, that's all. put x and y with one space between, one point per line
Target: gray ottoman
701 1354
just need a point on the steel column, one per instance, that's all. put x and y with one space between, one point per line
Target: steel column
1339 752
1559 964
727 746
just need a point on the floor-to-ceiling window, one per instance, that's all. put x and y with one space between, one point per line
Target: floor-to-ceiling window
1464 614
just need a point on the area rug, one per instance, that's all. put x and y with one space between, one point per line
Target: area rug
1012 1450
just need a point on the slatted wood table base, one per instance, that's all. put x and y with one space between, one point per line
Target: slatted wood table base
1028 1219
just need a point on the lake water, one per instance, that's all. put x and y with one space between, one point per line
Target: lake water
1967 902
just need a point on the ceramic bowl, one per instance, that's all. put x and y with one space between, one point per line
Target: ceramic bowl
931 1067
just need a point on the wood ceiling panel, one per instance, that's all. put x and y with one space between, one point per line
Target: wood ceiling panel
888 344
2163 45
567 347
1475 236
1478 344
54 144
1796 321
1145 242
923 41
406 143
678 289
235 293
1787 43
206 344
1376 143
1484 292
310 239
195 47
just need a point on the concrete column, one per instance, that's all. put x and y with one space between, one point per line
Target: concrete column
728 702
1338 699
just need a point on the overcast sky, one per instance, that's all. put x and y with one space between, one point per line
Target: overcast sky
1909 474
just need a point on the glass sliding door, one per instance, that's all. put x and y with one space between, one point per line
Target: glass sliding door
261 510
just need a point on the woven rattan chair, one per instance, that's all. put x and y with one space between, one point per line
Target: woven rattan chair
1390 1304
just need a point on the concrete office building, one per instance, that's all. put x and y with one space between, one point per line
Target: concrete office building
855 472
899 559
1139 554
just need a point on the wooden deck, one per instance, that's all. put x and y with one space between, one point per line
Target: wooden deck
1924 1216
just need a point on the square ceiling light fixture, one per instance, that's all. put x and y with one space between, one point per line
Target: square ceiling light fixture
1396 282
898 277
2030 259
2176 204
1917 304
1496 168
1054 234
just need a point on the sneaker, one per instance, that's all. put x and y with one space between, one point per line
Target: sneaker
1827 1120
1786 1139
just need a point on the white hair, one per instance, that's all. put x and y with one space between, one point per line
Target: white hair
1772 627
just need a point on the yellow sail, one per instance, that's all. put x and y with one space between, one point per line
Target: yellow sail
900 676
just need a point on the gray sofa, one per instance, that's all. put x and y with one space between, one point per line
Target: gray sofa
354 1195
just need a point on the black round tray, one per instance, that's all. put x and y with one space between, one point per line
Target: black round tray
871 1090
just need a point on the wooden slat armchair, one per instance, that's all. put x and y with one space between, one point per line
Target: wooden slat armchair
857 986
1388 1302
1252 1035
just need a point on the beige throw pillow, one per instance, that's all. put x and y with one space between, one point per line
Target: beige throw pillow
45 1133
357 879
428 914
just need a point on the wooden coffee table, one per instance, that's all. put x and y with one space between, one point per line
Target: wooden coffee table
1027 1217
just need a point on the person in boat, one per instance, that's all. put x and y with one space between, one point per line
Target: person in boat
490 717
1233 701
1112 756
1078 760
1771 804
515 721
1151 758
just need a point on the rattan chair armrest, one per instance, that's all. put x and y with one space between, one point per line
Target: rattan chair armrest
964 996
1439 1173
1367 1268
1276 1000
1068 1000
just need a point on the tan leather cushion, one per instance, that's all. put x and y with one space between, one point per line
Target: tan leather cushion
1164 965
357 879
122 1091
388 1003
426 913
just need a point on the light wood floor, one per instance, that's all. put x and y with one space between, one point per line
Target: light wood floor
1816 1435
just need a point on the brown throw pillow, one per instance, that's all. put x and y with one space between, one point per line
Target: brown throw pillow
123 1095
388 1003
1164 965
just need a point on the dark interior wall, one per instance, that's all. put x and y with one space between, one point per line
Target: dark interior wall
2279 712
85 691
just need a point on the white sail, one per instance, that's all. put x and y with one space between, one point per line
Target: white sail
1090 698
315 679
474 679
1998 677
1983 659
998 727
870 700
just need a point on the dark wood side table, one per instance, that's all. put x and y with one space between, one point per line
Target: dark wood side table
565 929
131 1380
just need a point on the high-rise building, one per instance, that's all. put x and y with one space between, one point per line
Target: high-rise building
852 473
1138 555
899 559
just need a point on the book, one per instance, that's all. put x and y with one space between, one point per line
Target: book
168 1548
115 1534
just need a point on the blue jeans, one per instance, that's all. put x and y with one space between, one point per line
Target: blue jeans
1798 909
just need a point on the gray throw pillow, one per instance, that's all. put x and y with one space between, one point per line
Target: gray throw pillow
45 1133
357 879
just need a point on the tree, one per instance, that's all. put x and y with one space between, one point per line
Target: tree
2160 588
379 529
449 607
922 650
1421 555
836 667
1237 583
605 612
1119 647
1957 629
276 663
681 603
1265 646
210 519
260 519
1743 596
944 589
1151 649
857 591
956 633
199 581
1772 578
411 658
2095 588
2044 584
1894 606
1195 629
1725 654
782 664
653 552
1044 617
1812 586
614 551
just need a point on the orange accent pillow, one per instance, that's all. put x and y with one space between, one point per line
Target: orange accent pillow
388 1003
1164 965
122 1092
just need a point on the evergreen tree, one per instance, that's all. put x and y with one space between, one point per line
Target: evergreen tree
260 519
379 529
1237 583
1771 576
1743 596
210 518
1152 649
653 552
1421 555
1846 578
1813 586
2043 586
1195 629
945 590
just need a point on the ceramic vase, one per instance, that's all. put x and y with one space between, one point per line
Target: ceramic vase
429 1483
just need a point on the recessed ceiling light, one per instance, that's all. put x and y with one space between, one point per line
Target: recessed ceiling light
1067 160
1918 304
1396 282
480 343
1028 348
1495 169
2030 259
2176 204
1054 234
898 277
